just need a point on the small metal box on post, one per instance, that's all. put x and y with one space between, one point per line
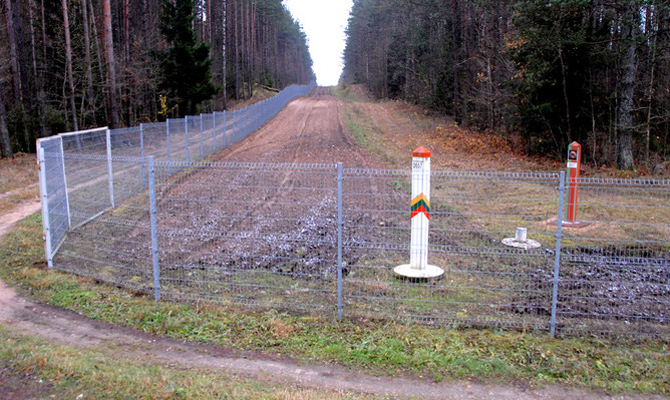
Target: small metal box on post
418 268
574 164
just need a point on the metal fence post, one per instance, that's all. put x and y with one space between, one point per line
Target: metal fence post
202 145
67 197
235 126
214 129
186 137
225 141
167 130
154 228
44 195
340 225
110 170
557 254
144 178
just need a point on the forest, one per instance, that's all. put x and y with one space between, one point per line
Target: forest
554 71
74 64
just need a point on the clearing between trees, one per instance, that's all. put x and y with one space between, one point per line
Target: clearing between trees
314 130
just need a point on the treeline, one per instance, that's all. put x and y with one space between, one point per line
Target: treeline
73 64
592 71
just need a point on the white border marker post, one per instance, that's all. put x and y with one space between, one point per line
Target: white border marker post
418 268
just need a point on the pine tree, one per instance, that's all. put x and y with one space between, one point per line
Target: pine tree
186 64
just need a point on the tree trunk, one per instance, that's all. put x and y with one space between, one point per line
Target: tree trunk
87 55
565 96
12 51
5 143
224 58
109 60
99 58
37 77
68 64
456 32
127 88
13 59
625 158
18 65
236 36
44 32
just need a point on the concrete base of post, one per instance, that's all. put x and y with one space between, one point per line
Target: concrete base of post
521 241
575 224
407 271
525 245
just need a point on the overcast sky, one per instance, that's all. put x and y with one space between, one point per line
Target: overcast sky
324 22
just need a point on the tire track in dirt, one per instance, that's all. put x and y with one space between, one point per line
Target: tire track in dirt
21 211
324 139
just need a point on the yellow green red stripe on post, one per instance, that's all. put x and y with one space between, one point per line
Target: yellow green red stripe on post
420 204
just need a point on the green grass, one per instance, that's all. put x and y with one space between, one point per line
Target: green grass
67 373
365 131
384 348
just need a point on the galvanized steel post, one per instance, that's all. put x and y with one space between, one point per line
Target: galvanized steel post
154 229
44 196
144 178
340 226
557 254
186 136
167 130
66 195
110 170
202 145
225 140
214 129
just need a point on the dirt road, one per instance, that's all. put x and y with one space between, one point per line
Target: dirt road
309 130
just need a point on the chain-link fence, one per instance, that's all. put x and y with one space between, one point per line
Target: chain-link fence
323 239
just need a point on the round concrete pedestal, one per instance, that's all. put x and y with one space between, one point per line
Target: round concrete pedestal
408 272
526 244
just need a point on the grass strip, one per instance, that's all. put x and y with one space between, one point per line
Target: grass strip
382 348
44 369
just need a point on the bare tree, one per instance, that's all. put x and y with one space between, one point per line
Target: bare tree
87 55
625 158
13 57
111 64
68 63
224 50
5 143
37 76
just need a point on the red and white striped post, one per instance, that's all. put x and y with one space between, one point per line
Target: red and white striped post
574 164
418 268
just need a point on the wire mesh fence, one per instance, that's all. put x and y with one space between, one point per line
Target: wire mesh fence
323 239
82 175
615 266
485 283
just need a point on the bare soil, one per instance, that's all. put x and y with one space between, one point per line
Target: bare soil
308 130
19 212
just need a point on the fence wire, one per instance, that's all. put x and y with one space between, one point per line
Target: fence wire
318 239
615 270
485 282
255 235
